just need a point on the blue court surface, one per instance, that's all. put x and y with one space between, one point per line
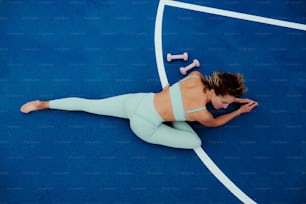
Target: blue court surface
97 48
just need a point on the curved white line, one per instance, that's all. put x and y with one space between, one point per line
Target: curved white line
159 45
213 168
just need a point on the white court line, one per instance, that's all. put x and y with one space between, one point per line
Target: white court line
236 15
159 45
213 168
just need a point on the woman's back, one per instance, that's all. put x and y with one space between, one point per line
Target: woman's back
191 95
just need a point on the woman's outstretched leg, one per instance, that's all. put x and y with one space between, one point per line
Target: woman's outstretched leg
113 106
118 106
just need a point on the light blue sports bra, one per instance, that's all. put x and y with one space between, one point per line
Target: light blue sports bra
177 100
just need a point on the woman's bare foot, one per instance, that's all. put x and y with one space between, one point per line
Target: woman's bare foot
32 106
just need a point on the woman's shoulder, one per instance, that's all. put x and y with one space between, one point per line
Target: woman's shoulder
195 73
194 78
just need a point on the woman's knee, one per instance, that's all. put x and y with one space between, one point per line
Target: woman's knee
197 142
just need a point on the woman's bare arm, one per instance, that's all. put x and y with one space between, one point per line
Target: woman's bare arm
209 121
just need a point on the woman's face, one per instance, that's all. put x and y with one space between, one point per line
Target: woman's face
219 102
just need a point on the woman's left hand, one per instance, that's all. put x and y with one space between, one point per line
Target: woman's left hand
244 100
247 107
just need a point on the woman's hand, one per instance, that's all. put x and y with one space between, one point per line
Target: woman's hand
248 107
244 100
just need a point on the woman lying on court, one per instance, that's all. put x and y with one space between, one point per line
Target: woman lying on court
184 101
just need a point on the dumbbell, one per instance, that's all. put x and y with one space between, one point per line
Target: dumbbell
194 64
171 57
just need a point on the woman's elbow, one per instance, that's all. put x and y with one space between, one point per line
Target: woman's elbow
210 124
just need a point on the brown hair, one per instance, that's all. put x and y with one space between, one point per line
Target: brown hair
224 83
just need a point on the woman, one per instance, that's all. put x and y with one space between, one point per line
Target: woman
184 101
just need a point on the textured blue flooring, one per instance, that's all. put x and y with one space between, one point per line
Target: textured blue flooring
95 49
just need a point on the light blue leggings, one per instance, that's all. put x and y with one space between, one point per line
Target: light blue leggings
145 122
